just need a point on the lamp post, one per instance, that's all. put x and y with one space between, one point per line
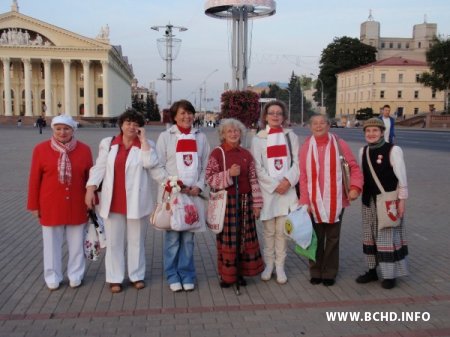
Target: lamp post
59 108
321 91
203 84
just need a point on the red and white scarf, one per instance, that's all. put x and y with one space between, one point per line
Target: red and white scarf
327 207
277 157
64 165
187 159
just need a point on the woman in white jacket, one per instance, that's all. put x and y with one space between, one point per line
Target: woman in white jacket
123 169
275 151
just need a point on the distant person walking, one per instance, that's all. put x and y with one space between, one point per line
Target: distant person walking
389 124
19 122
40 124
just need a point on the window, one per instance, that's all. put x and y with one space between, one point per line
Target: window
382 45
382 94
81 92
420 45
399 45
417 78
433 93
407 45
416 111
400 78
42 71
416 93
100 92
391 44
100 109
383 78
399 94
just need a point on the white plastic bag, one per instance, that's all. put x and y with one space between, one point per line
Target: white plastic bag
299 227
185 215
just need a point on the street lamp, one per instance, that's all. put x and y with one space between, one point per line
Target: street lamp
59 108
203 84
321 91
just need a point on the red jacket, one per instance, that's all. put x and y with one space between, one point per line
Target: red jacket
58 204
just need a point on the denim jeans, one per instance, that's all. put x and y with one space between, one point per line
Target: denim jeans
179 257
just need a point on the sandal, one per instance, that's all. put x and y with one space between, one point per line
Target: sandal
139 284
115 288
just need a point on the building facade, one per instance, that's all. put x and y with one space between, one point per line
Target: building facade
390 81
46 70
413 48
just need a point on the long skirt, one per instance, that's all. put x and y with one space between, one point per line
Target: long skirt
250 259
386 247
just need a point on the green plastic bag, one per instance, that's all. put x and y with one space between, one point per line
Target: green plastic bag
309 252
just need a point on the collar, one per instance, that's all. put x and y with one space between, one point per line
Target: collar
174 129
322 140
184 130
118 140
227 147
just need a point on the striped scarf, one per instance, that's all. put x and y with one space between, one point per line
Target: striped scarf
64 165
187 159
277 153
327 207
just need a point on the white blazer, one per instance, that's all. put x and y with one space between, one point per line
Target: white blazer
276 205
138 182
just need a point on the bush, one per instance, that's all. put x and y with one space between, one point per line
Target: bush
242 105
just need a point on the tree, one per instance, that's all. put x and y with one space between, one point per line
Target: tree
137 104
438 58
152 108
342 54
242 105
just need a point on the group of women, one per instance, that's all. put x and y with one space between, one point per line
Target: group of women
262 183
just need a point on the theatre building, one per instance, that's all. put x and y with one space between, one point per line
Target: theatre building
46 70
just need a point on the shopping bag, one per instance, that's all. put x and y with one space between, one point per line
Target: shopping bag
217 205
310 251
184 215
298 226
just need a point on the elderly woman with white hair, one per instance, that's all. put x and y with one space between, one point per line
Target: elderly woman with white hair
58 175
239 166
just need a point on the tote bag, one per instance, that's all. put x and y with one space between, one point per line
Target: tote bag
217 205
160 217
387 202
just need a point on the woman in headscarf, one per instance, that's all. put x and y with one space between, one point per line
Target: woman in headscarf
387 247
59 171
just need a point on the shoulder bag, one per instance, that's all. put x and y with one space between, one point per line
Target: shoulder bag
345 168
387 202
217 205
160 217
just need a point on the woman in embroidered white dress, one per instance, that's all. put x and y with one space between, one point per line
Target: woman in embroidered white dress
183 152
278 173
322 190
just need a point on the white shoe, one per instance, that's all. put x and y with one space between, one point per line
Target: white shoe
75 284
266 275
175 287
53 286
281 275
188 286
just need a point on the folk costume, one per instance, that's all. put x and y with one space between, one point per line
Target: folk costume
321 189
386 248
273 150
56 190
182 153
126 201
249 196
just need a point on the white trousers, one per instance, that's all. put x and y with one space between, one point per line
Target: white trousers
53 238
118 229
275 245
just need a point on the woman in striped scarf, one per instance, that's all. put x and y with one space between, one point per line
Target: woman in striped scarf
322 190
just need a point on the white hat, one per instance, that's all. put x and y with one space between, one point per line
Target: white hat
64 119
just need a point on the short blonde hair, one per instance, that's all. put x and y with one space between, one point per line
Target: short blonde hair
230 122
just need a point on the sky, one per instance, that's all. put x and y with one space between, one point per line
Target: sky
289 41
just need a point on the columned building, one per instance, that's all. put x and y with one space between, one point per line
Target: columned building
46 70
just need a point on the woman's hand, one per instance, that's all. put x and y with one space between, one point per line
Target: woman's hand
401 207
194 191
257 212
283 186
143 139
235 170
89 198
36 213
353 194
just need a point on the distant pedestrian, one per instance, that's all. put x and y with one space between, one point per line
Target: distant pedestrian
40 124
389 124
19 122
385 247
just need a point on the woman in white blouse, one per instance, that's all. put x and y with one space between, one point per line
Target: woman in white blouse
387 247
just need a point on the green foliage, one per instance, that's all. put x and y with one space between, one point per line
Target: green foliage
152 109
364 114
242 105
137 104
342 54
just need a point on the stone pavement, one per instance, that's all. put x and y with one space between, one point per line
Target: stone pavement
298 308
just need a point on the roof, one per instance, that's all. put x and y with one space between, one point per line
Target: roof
395 61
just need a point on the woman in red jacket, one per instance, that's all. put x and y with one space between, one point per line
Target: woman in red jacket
58 175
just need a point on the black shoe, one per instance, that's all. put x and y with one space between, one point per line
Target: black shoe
388 283
224 284
242 281
369 276
328 282
315 280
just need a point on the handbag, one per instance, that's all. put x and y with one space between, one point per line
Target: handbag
345 168
217 205
387 202
160 217
94 236
184 214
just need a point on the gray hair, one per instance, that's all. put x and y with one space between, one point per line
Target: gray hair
230 122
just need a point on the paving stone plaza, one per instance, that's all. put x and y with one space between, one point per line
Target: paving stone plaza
28 308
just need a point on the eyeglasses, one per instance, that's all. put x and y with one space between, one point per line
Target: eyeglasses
275 113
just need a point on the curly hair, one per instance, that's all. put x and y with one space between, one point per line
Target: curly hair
230 122
131 115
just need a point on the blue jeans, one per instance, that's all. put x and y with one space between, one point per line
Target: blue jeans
179 257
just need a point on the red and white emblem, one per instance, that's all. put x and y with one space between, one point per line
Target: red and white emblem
278 163
187 159
391 208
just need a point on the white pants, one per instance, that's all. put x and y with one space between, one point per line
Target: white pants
53 238
117 229
275 241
